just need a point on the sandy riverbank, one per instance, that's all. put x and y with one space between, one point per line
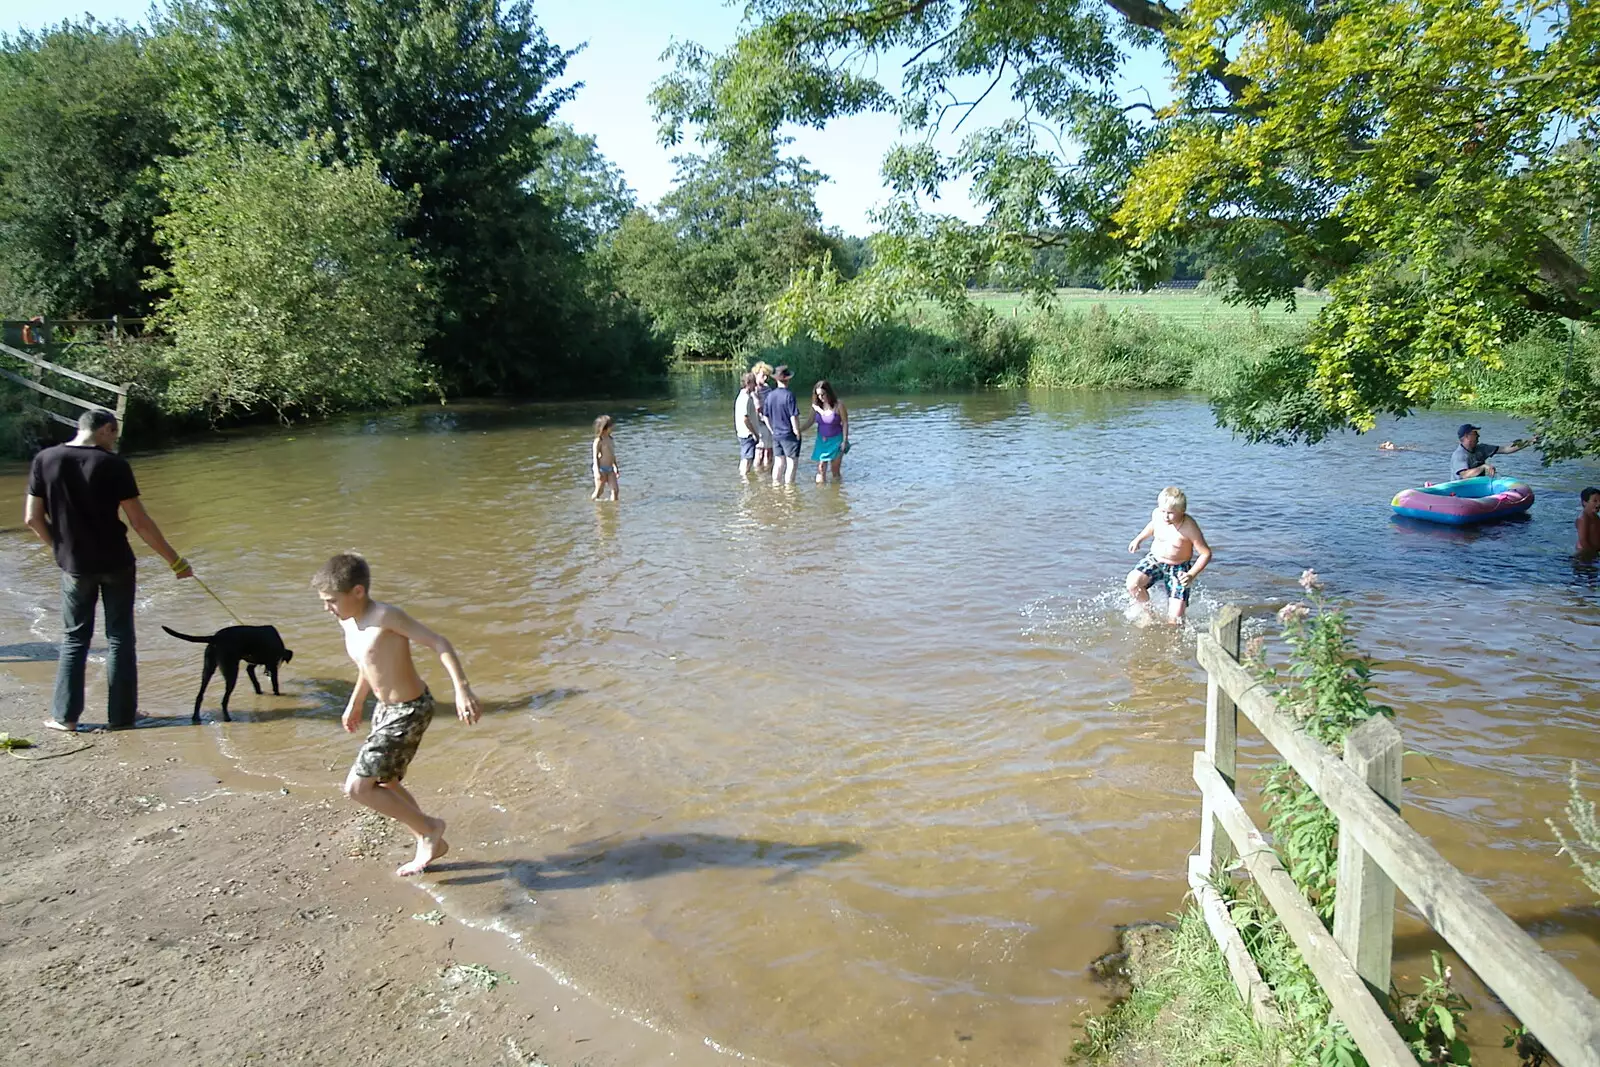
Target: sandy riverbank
161 909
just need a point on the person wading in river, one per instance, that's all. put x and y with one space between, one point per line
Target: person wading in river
74 492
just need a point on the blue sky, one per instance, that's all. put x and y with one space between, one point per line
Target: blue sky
624 40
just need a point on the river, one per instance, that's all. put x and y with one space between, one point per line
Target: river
861 774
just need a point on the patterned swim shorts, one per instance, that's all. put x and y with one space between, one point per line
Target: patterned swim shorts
397 730
1162 571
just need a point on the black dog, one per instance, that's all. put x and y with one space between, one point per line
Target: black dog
254 646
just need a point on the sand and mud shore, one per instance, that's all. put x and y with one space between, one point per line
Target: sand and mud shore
156 909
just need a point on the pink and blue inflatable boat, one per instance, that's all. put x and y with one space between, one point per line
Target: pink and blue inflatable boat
1466 501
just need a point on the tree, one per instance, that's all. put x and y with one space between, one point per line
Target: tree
451 99
291 288
1409 156
82 125
721 246
586 192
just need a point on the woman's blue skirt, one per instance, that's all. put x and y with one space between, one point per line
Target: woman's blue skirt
827 449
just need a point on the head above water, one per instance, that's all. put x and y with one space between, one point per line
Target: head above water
1465 430
1590 499
822 393
783 373
748 383
1172 501
761 369
97 426
343 583
603 425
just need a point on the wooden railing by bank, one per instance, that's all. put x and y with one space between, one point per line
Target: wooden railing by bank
41 334
1378 852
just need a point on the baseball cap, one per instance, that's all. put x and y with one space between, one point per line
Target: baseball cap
1466 428
783 372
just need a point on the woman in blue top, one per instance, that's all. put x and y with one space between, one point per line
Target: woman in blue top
833 431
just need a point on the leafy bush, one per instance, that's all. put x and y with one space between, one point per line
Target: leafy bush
291 289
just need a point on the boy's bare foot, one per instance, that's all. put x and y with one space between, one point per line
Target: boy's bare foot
429 848
64 727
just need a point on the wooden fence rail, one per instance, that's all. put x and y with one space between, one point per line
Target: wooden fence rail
118 405
1378 852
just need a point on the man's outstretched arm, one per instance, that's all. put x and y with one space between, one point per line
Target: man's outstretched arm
150 533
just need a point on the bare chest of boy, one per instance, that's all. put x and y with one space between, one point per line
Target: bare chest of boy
384 659
1172 545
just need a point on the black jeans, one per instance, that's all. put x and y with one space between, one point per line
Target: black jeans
78 595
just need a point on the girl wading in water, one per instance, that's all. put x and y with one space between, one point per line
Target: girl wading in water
833 431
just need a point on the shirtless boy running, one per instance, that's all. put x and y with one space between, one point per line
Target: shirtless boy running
1176 557
378 637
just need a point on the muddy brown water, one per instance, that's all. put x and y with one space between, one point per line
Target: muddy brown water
860 774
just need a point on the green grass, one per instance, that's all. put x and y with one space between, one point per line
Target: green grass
1183 1010
1183 307
1078 346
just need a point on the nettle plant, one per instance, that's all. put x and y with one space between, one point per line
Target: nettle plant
1326 687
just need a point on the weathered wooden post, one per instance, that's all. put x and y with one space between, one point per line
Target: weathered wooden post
1222 741
1363 915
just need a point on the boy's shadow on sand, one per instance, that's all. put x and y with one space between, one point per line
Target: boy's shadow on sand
595 863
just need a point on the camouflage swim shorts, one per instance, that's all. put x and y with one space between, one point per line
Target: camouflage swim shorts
1159 570
397 730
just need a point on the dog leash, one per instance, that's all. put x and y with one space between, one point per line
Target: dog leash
218 599
180 563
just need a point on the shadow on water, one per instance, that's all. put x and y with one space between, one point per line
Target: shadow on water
1581 920
328 697
1462 535
32 652
602 862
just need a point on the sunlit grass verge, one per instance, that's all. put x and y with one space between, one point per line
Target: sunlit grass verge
1097 348
1183 1010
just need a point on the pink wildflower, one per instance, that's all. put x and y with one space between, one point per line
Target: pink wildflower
1309 580
1254 648
1293 612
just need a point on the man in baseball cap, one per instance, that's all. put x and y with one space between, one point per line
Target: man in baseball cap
1471 459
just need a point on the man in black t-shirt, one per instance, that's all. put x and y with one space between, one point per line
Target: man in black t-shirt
74 493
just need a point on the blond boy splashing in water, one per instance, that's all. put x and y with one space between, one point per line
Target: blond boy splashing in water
378 638
1176 557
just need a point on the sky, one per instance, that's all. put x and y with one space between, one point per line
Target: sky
621 60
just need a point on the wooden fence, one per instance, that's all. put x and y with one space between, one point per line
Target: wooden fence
1378 852
40 334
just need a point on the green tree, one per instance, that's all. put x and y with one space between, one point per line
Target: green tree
291 289
584 189
449 98
722 245
1409 156
82 125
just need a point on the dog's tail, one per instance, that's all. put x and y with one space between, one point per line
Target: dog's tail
187 637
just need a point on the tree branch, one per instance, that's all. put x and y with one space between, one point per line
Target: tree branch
1161 18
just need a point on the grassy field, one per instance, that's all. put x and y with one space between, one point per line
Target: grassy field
1183 307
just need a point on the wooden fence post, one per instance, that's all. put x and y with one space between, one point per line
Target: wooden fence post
1222 740
1363 916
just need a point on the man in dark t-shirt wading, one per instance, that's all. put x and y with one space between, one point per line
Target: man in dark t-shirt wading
74 493
781 412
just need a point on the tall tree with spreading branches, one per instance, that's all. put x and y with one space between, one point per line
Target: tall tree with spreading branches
1431 162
